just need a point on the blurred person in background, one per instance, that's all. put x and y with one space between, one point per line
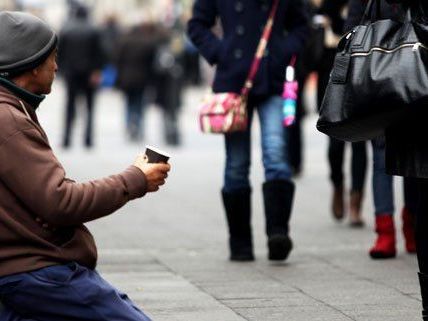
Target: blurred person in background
47 255
135 59
307 62
242 23
383 187
192 64
168 72
331 11
81 59
191 56
110 34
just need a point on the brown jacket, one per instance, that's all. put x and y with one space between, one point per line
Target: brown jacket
41 211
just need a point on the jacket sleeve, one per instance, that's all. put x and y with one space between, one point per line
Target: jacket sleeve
297 25
32 172
200 33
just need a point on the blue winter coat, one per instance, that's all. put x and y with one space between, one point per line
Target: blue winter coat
242 22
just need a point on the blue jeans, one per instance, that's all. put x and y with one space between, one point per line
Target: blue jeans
64 293
273 136
383 192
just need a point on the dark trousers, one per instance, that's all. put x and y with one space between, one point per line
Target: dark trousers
410 189
295 132
64 293
336 153
77 86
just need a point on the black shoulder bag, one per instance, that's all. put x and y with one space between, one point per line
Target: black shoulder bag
380 73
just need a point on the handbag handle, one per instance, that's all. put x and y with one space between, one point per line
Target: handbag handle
368 17
260 50
368 13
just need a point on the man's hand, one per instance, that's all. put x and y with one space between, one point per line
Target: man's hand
155 173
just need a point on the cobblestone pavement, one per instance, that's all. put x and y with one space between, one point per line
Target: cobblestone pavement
168 251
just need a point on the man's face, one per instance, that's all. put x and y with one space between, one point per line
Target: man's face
45 74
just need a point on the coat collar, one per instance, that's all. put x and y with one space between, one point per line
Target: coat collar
31 99
12 99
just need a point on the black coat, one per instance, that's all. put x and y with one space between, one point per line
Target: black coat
80 49
135 57
406 143
242 22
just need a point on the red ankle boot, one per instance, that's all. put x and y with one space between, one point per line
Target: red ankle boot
408 230
384 247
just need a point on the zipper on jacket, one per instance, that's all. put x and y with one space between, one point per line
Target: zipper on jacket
415 47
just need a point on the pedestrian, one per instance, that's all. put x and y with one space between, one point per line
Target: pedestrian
134 60
383 196
168 74
383 193
110 34
406 155
47 256
81 59
406 148
307 62
333 10
242 23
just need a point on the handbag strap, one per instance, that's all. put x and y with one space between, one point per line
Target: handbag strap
260 50
368 13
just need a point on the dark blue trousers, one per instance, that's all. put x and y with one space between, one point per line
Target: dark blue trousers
68 292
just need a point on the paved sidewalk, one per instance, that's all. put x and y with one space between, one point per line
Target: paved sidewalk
168 251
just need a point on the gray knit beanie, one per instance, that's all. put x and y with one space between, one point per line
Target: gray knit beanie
25 42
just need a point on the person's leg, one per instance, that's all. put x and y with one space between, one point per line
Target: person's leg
236 194
170 110
70 112
67 292
359 169
295 148
294 134
336 151
89 93
278 190
409 212
134 114
422 242
383 196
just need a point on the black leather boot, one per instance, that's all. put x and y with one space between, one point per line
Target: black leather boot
278 200
238 214
423 281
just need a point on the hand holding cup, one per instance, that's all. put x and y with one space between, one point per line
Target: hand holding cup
154 165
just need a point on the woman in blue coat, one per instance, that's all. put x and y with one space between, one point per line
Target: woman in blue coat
242 22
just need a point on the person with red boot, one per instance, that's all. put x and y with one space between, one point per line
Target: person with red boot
383 196
406 149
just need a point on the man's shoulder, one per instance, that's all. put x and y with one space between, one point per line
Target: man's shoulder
12 121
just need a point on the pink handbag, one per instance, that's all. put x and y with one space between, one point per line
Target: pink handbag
223 113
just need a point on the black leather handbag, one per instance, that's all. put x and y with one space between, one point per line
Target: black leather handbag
380 73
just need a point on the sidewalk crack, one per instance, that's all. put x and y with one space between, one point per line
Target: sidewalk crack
309 296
